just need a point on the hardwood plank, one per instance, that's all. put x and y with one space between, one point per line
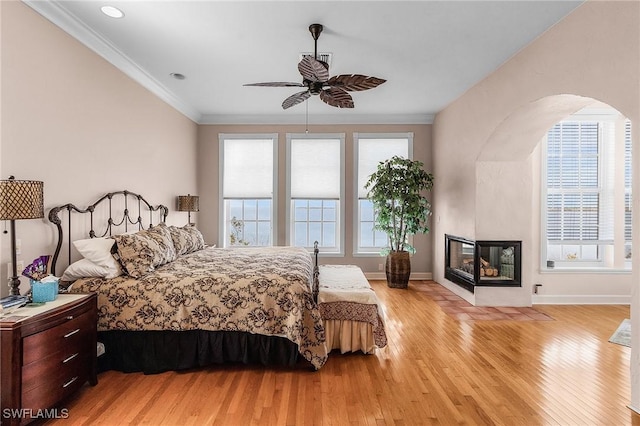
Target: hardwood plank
436 369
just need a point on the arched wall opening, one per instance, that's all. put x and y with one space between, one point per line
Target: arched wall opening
508 208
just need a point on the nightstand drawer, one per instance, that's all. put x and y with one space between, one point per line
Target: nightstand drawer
54 389
55 339
73 357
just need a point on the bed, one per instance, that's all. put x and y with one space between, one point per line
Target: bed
176 304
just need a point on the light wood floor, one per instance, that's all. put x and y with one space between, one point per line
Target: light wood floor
435 370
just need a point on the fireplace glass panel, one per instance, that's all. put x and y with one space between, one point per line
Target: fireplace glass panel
462 257
498 262
460 254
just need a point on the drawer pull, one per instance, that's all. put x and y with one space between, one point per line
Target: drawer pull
71 333
70 381
70 358
70 317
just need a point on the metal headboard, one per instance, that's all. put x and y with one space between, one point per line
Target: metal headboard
126 220
316 273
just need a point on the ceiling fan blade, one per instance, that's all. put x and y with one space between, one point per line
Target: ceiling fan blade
336 97
276 84
295 99
355 82
313 70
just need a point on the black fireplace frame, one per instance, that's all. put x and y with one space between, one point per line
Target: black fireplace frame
470 281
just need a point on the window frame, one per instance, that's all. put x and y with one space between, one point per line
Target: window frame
289 202
359 251
222 137
610 185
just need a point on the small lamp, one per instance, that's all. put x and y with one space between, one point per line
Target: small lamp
19 199
188 203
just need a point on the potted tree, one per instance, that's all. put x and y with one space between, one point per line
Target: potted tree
396 190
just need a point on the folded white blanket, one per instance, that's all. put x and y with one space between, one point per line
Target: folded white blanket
344 283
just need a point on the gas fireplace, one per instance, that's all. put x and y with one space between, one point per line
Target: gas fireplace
471 263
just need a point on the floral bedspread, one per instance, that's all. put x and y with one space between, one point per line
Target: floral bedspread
263 290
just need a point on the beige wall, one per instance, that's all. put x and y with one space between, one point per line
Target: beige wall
208 183
593 53
77 123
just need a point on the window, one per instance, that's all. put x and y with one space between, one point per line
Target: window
247 187
315 187
372 149
627 190
581 214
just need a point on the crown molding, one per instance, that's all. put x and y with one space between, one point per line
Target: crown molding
59 16
55 12
300 119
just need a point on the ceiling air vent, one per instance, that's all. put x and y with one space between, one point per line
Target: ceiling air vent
322 56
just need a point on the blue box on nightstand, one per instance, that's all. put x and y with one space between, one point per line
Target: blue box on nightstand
44 291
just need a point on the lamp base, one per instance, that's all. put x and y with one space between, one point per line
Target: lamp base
14 284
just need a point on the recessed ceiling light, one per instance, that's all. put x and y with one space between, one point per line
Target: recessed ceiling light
112 12
177 76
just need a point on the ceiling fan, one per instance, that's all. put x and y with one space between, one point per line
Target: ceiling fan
315 78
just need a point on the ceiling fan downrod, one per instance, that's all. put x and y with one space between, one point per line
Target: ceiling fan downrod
315 30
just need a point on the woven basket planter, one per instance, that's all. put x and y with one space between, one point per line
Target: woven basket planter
398 269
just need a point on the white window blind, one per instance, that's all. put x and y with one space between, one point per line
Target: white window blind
579 189
372 151
248 168
627 181
315 168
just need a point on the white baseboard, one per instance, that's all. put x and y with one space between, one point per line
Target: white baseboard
574 299
414 276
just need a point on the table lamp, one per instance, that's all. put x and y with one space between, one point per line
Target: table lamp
19 199
188 203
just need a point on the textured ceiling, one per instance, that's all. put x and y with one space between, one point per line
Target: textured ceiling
430 52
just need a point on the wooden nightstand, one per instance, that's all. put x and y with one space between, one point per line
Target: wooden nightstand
48 352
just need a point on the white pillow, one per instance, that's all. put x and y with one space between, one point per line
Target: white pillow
97 250
84 268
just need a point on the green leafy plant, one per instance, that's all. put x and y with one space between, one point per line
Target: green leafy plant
237 229
396 190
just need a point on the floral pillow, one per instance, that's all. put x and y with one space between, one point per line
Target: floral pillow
142 252
186 239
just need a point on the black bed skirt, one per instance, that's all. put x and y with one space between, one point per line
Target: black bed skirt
158 351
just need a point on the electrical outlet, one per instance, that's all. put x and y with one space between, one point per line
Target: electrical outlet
380 268
18 270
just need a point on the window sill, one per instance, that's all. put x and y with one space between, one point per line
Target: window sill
368 254
584 270
328 253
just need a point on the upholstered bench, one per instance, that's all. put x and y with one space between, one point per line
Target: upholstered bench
353 319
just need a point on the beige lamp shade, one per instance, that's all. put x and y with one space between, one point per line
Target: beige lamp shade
21 199
188 203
